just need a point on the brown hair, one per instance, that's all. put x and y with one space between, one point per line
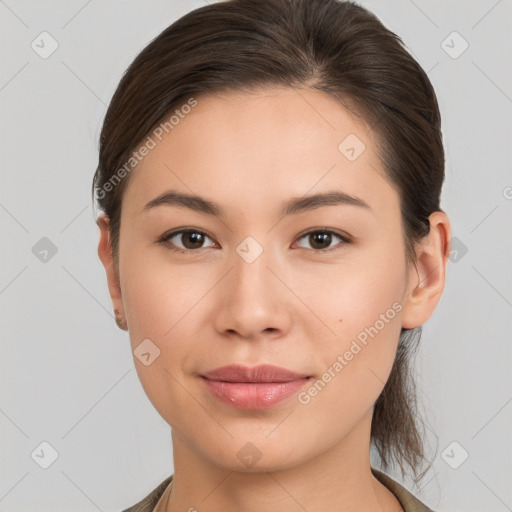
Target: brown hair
328 45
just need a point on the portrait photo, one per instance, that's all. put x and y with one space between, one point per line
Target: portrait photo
256 256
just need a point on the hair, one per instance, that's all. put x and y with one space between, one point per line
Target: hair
337 47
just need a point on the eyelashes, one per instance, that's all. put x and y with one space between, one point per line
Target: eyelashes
331 236
165 239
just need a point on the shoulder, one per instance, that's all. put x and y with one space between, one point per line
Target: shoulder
148 503
408 501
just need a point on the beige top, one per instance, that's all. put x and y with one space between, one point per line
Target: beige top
408 501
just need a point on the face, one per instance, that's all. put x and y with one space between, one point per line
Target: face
319 291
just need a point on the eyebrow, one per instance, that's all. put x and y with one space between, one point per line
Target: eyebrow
293 206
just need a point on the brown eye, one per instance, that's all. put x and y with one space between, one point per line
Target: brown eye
321 240
190 239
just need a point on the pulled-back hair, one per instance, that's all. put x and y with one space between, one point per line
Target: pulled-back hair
327 45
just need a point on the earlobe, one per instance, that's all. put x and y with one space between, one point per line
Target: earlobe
427 275
106 257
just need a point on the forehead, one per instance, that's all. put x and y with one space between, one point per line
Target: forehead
246 150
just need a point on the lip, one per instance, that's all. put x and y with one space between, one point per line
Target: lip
261 373
260 387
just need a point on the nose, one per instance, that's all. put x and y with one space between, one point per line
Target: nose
253 299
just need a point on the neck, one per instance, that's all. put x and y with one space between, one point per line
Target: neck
339 479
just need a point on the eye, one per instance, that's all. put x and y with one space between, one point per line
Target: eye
192 239
321 238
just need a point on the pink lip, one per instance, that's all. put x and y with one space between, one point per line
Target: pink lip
262 373
260 387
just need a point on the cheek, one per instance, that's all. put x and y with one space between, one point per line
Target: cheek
158 294
358 292
362 304
159 301
164 303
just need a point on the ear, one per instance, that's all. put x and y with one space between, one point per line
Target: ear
426 278
106 257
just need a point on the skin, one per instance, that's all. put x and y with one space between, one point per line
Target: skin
292 307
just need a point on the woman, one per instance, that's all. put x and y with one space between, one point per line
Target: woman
270 175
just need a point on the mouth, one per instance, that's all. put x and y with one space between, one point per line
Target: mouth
258 388
264 373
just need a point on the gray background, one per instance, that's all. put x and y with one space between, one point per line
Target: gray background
67 374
